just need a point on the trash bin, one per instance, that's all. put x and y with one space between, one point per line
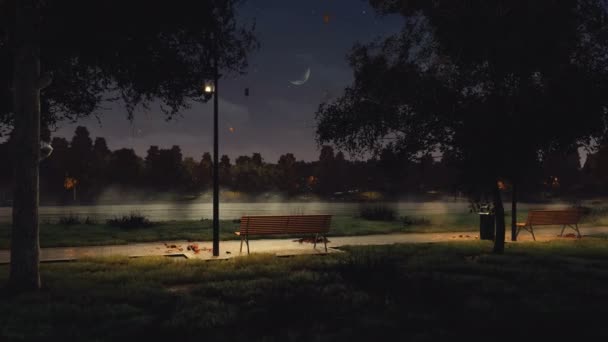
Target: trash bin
486 226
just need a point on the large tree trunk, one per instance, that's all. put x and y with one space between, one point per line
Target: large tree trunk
514 212
25 248
499 211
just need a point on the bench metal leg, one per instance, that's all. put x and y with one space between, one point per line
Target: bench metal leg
315 242
532 232
325 242
574 227
247 242
530 229
241 250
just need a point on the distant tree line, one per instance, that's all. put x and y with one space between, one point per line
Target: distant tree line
79 170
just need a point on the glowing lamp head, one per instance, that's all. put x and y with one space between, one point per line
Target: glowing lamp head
209 88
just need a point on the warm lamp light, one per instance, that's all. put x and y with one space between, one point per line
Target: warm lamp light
209 88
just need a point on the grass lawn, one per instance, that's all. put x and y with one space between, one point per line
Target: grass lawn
58 235
430 292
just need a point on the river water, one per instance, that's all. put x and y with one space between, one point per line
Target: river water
231 210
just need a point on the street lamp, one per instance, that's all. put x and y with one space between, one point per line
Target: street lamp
211 88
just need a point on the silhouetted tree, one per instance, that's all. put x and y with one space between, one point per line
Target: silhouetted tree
206 171
487 79
340 172
248 174
326 172
152 167
59 58
174 171
257 160
6 172
225 176
81 158
99 165
561 171
595 171
164 169
394 169
286 174
191 181
126 168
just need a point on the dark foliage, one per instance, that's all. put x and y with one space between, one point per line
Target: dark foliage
70 220
377 212
132 221
499 86
415 221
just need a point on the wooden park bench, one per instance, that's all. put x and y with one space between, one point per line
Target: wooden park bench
284 225
566 217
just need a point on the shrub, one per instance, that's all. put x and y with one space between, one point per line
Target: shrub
415 221
69 220
131 221
594 213
90 221
377 212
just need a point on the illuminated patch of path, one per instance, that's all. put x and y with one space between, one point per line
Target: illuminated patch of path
279 247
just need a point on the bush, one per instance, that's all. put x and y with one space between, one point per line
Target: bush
132 221
69 220
89 221
72 220
594 213
415 221
377 213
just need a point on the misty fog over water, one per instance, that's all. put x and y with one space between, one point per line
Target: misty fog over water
196 211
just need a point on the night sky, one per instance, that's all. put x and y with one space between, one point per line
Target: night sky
277 117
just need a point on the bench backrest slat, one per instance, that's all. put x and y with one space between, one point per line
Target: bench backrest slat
299 224
553 217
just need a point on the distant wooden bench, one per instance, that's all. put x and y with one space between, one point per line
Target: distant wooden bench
565 218
284 225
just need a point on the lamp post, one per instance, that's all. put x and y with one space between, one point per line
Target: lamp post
212 88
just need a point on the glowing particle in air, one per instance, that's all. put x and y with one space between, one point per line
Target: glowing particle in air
70 183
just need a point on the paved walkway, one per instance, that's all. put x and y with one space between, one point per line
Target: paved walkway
279 247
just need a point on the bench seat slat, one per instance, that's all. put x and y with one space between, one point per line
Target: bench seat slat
283 225
553 217
265 225
566 217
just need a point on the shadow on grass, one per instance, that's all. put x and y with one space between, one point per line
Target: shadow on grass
413 292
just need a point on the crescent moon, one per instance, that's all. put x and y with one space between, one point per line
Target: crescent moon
303 80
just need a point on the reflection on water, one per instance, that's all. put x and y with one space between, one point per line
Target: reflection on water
196 211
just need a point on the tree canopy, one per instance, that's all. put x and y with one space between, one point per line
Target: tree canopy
136 51
64 59
496 84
